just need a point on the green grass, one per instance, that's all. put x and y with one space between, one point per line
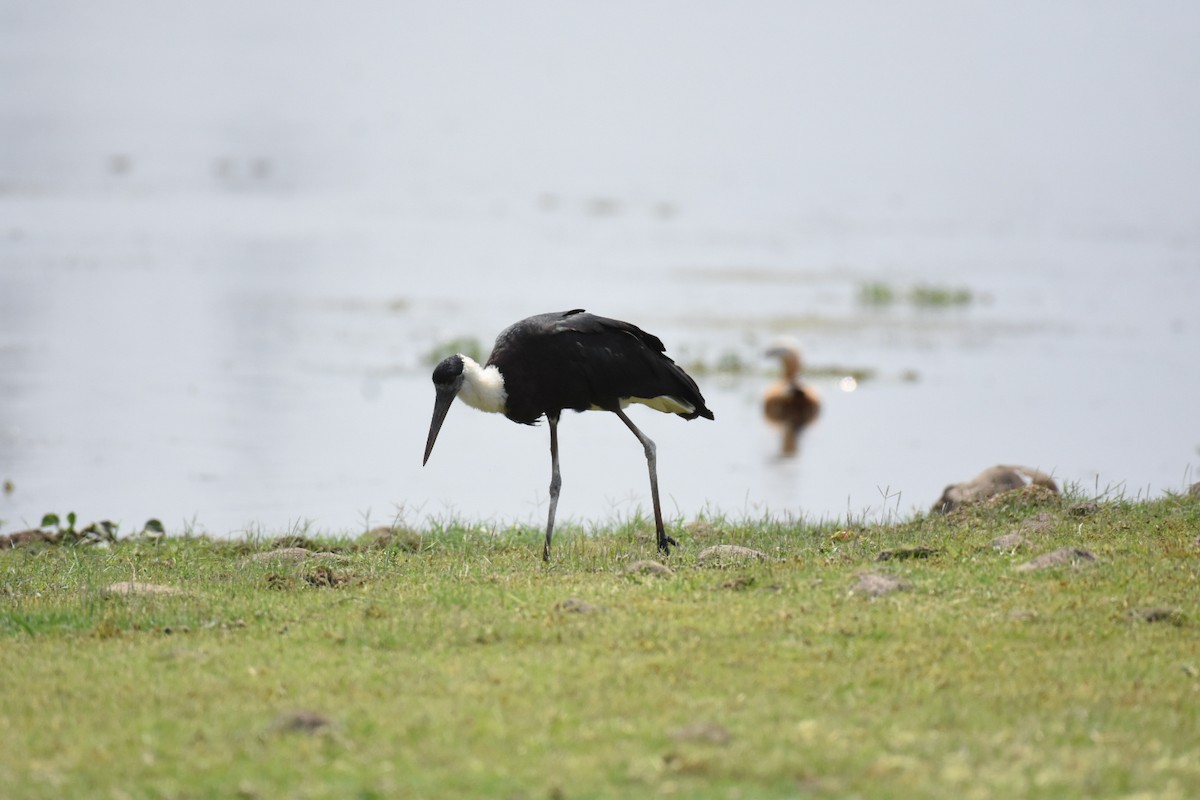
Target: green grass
446 666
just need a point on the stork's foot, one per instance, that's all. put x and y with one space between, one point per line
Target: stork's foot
664 544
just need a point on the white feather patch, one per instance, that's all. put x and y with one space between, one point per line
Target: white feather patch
663 403
483 387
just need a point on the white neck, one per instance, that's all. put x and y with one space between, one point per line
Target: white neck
483 387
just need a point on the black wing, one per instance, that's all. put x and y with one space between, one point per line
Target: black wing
577 360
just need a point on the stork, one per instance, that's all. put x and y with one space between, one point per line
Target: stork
547 363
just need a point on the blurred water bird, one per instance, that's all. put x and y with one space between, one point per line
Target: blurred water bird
547 363
789 402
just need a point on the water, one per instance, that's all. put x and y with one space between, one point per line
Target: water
230 235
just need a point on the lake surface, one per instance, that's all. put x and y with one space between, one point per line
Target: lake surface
231 236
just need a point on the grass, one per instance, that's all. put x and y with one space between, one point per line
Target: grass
452 663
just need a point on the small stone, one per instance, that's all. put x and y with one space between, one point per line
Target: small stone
648 567
728 553
873 584
1009 541
1066 556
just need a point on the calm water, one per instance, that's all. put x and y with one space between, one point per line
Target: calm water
229 239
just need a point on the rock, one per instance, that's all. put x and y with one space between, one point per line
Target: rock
1066 556
648 567
1009 541
727 554
873 584
127 588
989 483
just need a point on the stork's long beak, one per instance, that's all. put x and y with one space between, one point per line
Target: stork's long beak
441 406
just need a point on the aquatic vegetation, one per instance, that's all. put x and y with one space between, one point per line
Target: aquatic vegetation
925 295
879 294
876 293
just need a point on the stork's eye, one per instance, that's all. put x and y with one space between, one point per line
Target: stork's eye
448 370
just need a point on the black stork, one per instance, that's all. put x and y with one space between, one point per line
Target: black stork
551 362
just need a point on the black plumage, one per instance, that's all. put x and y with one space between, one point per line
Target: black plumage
549 363
575 360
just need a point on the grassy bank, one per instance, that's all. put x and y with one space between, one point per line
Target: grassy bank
452 662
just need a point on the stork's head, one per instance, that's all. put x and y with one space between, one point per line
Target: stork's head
447 381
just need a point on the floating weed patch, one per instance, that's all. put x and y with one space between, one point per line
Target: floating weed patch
939 296
876 294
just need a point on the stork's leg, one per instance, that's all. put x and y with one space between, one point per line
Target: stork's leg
664 541
555 482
